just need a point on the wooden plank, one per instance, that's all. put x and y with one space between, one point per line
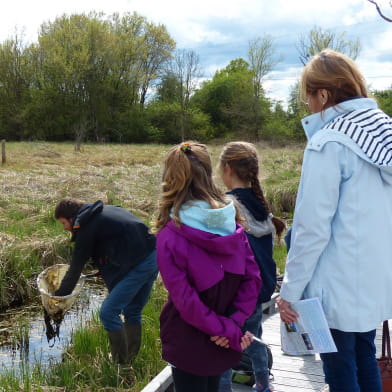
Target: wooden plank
160 383
294 373
291 373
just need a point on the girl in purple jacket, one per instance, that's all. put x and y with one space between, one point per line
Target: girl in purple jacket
208 269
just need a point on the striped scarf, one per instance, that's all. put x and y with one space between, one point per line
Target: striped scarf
371 130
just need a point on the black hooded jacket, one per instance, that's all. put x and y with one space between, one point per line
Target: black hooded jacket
112 237
262 247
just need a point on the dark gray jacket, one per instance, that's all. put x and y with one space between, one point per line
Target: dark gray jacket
112 237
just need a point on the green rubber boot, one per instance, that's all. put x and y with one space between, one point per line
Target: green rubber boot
134 339
118 345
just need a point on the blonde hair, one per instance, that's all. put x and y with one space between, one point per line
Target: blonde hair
243 159
334 72
187 176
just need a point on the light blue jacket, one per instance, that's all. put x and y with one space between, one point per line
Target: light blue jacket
341 244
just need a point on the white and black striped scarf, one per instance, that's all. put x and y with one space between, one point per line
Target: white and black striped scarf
371 130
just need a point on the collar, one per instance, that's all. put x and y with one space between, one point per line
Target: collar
317 121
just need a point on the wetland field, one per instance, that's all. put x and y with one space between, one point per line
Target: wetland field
35 176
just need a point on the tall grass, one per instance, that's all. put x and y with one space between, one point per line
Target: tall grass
37 175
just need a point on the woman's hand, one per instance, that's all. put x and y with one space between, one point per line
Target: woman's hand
246 340
220 341
287 315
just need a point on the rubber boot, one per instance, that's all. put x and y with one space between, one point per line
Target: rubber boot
134 339
118 345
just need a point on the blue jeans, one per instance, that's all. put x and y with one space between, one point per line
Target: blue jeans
354 367
129 295
257 353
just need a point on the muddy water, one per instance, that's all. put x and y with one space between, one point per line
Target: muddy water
22 331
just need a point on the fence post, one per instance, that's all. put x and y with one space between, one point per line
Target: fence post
3 159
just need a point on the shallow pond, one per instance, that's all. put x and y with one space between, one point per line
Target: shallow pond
23 340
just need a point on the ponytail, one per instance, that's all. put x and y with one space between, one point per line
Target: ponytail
279 223
280 226
242 158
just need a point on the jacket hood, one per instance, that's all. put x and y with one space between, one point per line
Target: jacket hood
210 242
86 213
247 197
199 215
359 125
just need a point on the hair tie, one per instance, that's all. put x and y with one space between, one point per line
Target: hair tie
185 147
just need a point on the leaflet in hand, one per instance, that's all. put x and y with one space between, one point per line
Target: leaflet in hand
310 334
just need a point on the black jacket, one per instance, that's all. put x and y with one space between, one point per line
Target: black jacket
112 237
262 247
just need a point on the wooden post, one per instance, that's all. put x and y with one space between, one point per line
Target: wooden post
3 159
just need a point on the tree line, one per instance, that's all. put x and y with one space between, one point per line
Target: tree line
120 78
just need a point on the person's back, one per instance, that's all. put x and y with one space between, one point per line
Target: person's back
260 232
216 265
118 240
112 237
340 240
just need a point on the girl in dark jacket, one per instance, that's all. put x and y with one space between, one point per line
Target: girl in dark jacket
239 170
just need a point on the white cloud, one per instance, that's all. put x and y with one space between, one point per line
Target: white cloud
377 75
278 84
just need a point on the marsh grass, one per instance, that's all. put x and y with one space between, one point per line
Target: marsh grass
35 177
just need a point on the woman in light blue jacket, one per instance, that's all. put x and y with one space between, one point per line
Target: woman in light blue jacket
341 242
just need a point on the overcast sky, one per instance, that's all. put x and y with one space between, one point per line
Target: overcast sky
220 30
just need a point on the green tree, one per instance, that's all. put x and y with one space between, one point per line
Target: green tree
296 111
185 67
157 50
384 99
169 89
171 116
228 99
71 56
15 81
92 75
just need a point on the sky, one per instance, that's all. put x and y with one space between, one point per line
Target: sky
220 30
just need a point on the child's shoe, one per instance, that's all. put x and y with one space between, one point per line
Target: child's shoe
260 388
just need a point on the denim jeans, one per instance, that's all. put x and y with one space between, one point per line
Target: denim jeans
186 382
129 295
354 367
257 353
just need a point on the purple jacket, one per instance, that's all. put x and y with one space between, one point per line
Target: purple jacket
213 283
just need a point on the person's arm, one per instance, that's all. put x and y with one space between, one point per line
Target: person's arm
82 252
187 301
246 297
320 183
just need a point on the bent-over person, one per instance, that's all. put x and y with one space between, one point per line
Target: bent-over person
123 249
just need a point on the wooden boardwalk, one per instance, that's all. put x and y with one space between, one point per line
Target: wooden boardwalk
293 373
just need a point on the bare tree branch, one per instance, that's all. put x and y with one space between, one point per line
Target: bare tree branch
379 10
318 39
